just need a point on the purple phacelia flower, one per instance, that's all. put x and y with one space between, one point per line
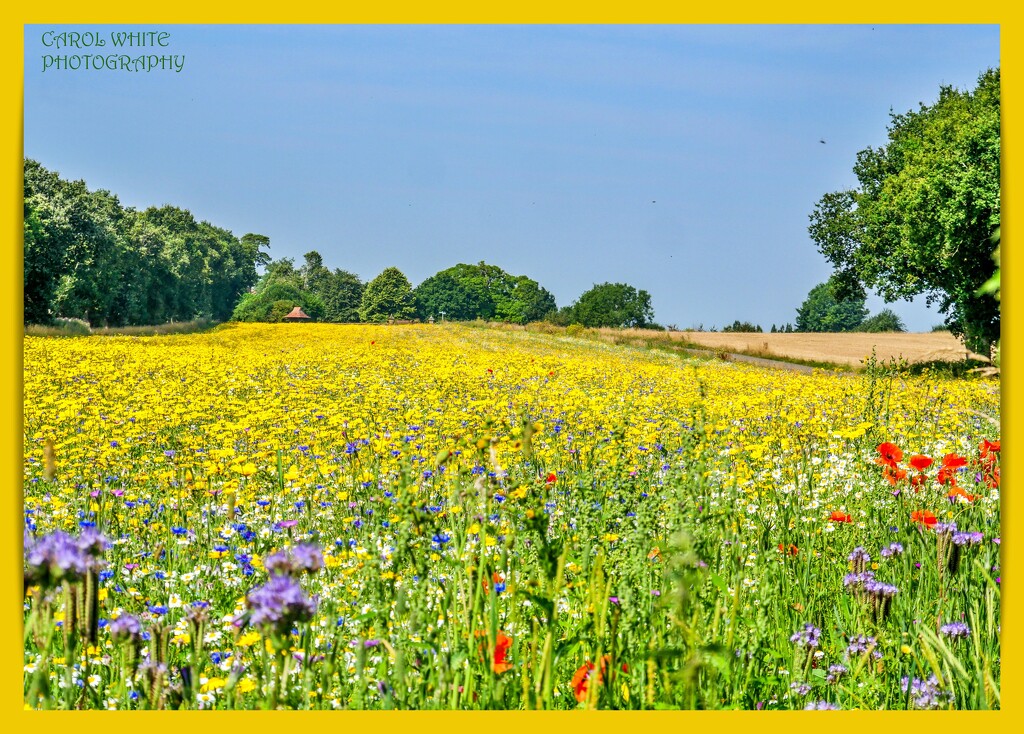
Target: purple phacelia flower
945 528
894 549
835 672
278 605
303 558
59 557
955 630
801 689
125 628
967 538
861 644
807 637
926 694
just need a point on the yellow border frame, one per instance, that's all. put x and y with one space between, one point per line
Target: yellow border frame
191 11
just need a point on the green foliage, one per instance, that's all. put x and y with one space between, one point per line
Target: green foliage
279 309
88 257
340 291
921 220
280 288
824 310
465 292
453 296
884 320
744 327
613 304
389 295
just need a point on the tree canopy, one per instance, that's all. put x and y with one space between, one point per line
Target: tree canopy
921 220
340 291
825 310
279 291
89 257
389 295
483 291
613 304
884 320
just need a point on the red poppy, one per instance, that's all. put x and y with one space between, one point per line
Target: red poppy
552 478
950 463
890 454
500 662
988 448
894 475
920 462
840 517
924 517
792 550
953 461
582 676
501 648
992 478
957 492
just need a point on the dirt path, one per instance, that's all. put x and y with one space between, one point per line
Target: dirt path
757 361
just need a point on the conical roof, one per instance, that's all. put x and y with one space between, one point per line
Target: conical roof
296 313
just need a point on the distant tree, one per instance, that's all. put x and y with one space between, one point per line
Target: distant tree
340 290
744 327
523 301
824 311
560 317
482 291
927 204
884 320
774 330
447 293
389 295
613 304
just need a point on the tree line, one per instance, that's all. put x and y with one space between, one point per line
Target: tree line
89 257
462 292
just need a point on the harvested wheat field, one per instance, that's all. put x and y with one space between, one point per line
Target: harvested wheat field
847 348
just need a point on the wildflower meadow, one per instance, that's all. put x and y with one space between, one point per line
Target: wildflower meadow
444 516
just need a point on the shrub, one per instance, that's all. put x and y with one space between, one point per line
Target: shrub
884 320
743 327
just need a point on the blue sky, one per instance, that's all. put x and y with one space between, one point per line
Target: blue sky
683 160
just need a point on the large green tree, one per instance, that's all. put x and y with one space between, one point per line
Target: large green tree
825 309
89 257
482 291
389 295
446 295
922 218
340 290
613 304
884 320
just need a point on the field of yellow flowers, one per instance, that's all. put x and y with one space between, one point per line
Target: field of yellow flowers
450 516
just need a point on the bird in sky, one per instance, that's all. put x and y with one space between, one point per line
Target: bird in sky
822 141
